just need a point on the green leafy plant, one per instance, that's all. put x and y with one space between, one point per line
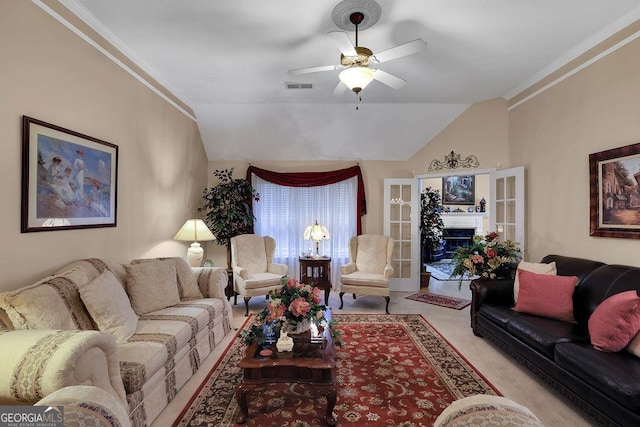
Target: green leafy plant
431 224
228 209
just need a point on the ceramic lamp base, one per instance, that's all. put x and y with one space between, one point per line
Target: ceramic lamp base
195 254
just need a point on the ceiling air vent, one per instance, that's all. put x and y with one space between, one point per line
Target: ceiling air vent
291 85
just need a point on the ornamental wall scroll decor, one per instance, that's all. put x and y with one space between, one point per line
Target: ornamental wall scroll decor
454 161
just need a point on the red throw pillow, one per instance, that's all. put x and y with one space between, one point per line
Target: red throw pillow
546 296
615 321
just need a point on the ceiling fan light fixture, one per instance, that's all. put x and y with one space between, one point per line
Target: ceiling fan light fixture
357 78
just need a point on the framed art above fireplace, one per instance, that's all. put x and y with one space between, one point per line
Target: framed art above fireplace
458 190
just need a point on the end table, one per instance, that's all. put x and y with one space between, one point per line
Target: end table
317 271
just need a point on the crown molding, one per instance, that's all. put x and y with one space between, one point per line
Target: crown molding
89 19
574 53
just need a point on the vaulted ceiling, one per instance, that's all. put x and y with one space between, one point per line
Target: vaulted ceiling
228 61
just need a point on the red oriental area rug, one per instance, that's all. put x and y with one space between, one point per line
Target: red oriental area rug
441 300
391 370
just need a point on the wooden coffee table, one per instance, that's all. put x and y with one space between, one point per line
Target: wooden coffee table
309 363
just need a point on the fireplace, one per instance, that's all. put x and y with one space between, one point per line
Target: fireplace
455 238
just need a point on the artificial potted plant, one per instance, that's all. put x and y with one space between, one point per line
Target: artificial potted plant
228 209
431 226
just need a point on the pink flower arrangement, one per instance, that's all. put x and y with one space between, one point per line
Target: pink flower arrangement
289 306
292 303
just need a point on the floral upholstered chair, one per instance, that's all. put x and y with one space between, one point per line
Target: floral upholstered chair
369 269
254 272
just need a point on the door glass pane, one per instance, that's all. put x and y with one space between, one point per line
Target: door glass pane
406 193
500 189
394 191
406 212
511 211
406 231
395 231
511 187
405 247
499 212
394 212
406 269
510 232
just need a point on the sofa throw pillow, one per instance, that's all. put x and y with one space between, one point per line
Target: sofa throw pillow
615 321
152 285
109 306
534 267
51 303
545 295
187 284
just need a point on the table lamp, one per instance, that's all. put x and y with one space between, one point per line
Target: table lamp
316 232
194 230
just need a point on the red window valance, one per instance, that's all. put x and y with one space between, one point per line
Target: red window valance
315 179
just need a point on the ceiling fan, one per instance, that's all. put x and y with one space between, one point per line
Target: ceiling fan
356 60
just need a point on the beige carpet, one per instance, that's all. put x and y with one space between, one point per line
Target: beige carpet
500 370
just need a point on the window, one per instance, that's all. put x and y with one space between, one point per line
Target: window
284 212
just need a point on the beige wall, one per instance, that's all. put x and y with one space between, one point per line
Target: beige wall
49 73
481 130
553 135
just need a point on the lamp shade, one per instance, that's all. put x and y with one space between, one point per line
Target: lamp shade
192 231
357 78
316 233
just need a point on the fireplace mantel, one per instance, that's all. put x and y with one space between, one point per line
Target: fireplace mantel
464 220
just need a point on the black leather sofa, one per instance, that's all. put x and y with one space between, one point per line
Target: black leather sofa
606 386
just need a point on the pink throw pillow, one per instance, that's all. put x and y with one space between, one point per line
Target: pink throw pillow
615 321
546 296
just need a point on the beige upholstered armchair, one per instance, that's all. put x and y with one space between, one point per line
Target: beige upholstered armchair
254 272
369 269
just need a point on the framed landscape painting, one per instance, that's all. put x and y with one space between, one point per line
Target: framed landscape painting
69 180
458 190
615 192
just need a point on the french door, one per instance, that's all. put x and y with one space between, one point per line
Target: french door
401 216
506 215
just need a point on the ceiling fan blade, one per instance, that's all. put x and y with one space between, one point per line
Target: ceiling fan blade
389 79
344 43
399 51
339 90
313 69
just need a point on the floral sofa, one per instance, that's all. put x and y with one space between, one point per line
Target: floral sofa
107 339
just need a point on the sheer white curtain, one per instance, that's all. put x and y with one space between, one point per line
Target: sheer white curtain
284 212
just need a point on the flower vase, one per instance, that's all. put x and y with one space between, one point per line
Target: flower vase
302 326
302 331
